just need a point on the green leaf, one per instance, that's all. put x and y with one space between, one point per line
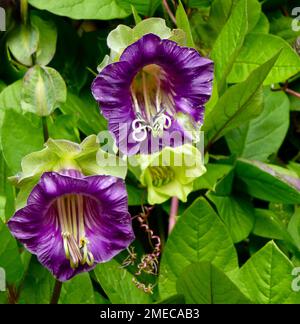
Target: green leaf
20 140
281 26
294 228
214 173
10 98
251 56
23 43
63 126
266 277
268 225
47 38
207 30
263 135
43 90
85 9
239 104
229 43
204 283
10 259
2 86
237 214
183 23
262 26
176 299
38 285
117 284
137 18
144 7
78 290
7 194
264 182
89 122
199 235
136 196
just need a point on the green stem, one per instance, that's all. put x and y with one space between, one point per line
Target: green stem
45 129
24 11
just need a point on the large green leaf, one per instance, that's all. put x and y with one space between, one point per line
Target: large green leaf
206 31
78 290
85 9
251 56
266 278
21 139
10 259
38 285
117 284
199 235
263 135
239 104
10 98
237 214
43 90
264 182
204 283
229 43
90 121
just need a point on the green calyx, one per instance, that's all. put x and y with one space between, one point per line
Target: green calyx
123 36
170 172
86 157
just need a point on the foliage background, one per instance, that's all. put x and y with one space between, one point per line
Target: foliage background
237 239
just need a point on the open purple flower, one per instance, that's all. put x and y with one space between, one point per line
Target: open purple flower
145 93
72 222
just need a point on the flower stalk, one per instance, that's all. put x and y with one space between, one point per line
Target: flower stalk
24 11
173 213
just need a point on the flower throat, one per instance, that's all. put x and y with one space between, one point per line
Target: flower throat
152 104
70 210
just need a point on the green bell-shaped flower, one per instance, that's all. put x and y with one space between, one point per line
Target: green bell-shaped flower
170 172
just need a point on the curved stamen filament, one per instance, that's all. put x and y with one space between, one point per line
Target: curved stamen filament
70 210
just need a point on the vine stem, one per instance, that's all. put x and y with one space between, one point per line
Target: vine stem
292 92
169 11
173 213
56 292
